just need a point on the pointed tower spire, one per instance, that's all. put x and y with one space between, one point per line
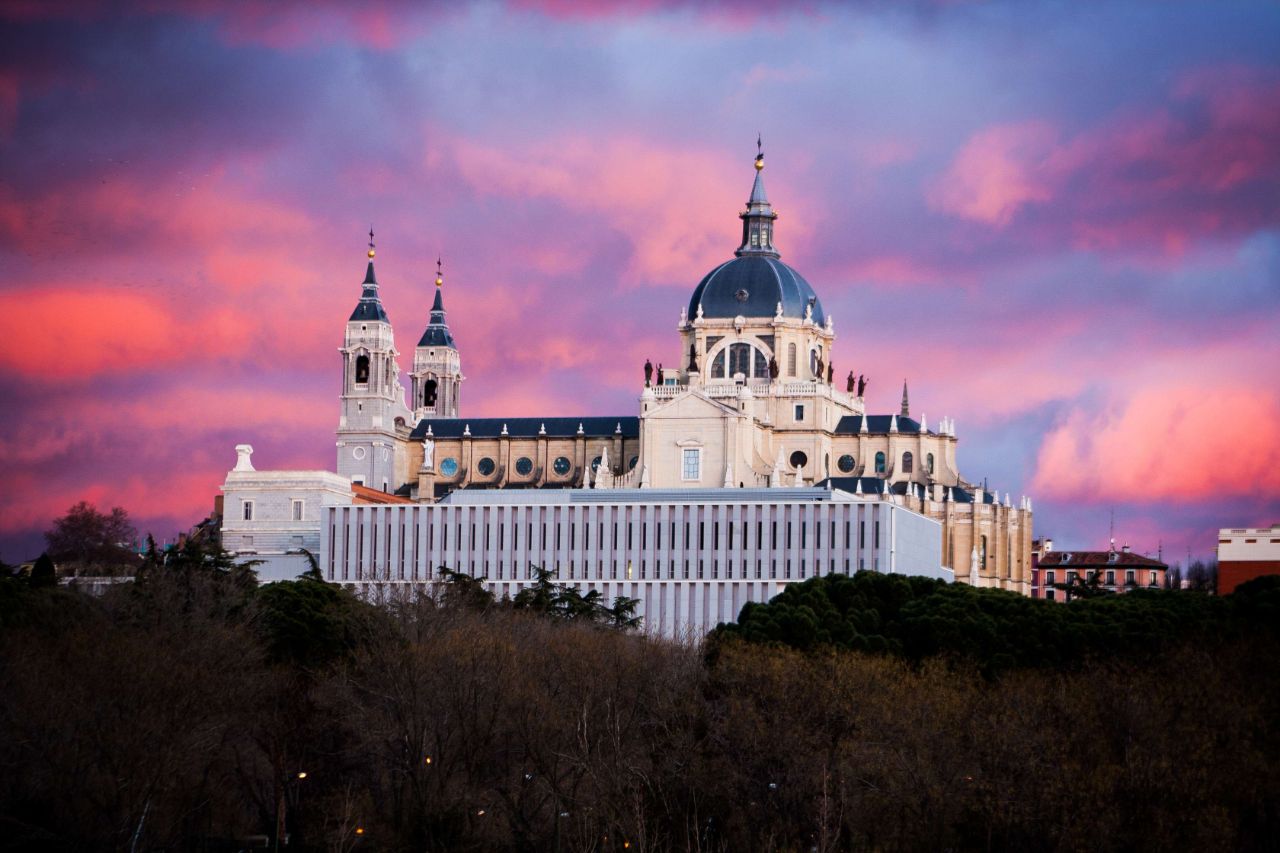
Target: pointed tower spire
369 308
758 218
906 405
437 366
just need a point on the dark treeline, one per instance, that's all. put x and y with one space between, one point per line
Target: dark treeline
192 710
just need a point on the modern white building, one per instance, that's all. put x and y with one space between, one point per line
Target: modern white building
691 557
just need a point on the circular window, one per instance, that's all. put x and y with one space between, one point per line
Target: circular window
486 466
524 466
449 467
845 463
358 452
631 466
595 463
798 459
741 295
561 465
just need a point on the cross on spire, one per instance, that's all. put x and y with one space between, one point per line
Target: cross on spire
439 271
370 241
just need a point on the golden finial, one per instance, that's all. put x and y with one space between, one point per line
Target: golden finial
759 153
439 273
370 242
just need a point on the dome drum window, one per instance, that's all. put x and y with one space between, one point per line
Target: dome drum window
486 467
846 464
524 466
561 466
799 459
880 462
449 467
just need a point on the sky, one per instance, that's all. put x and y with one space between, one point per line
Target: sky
1059 221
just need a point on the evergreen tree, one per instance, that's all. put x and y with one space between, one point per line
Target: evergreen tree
43 573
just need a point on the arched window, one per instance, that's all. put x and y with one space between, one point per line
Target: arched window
928 463
908 462
740 359
362 370
429 392
791 359
717 366
880 462
760 366
982 555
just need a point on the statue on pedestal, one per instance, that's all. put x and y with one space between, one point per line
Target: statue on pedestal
648 372
428 454
693 358
660 376
862 385
830 373
773 368
850 383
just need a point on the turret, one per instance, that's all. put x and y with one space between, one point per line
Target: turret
437 366
372 397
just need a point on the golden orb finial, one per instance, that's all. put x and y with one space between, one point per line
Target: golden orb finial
759 162
759 152
370 242
370 253
439 274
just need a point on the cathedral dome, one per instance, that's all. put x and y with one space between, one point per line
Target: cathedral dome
752 286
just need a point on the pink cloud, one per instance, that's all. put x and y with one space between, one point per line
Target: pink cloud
998 172
1180 441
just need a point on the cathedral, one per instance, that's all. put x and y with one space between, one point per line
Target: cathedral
750 402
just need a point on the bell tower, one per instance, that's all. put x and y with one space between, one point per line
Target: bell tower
437 366
373 403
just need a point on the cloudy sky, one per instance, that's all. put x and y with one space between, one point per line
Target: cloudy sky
1060 222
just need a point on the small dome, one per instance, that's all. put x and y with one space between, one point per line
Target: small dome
752 286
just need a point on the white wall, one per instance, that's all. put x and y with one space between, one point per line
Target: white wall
682 588
273 535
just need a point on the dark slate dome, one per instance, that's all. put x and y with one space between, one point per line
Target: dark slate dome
752 286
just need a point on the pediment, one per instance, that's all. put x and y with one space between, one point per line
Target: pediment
693 404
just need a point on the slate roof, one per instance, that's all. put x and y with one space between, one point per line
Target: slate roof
850 424
765 281
369 308
594 427
1098 560
437 332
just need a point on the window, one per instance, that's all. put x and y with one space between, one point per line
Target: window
798 459
1128 576
486 466
880 463
362 370
1111 577
846 463
908 462
429 392
247 510
791 359
1048 578
595 464
799 413
717 366
449 467
691 470
297 510
1051 594
524 466
740 359
928 464
631 464
561 466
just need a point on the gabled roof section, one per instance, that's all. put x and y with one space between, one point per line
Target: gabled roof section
1098 560
592 427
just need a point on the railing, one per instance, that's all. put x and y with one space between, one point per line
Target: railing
761 388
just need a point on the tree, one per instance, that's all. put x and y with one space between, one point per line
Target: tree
86 540
1075 587
43 573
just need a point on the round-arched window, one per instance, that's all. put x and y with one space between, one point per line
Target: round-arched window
449 467
908 462
595 463
880 462
798 459
485 467
561 465
928 463
631 466
846 464
524 466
